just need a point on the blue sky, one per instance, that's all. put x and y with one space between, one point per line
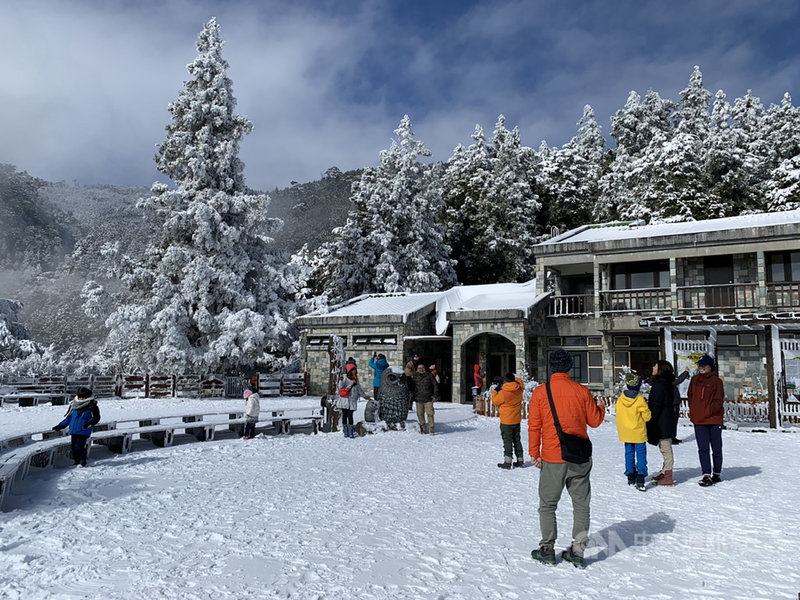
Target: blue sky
85 85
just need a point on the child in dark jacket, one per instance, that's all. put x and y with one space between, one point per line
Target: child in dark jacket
82 416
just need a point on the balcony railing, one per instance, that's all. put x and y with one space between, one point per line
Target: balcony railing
690 299
637 300
784 295
727 297
571 305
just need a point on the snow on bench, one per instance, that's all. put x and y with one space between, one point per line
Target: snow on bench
20 453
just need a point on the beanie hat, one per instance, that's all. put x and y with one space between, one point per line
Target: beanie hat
633 382
560 361
84 392
247 394
706 361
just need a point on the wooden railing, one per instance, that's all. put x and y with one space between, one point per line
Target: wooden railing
636 300
783 295
572 304
726 297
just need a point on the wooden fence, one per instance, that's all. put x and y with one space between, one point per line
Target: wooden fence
150 385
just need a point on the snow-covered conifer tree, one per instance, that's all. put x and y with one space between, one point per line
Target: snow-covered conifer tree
393 240
726 179
493 209
677 180
208 296
569 176
639 129
783 188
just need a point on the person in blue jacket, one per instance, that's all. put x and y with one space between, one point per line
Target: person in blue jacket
379 363
83 414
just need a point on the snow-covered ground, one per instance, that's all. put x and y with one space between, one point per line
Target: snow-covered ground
391 515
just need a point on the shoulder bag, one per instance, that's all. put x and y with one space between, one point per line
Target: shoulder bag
574 449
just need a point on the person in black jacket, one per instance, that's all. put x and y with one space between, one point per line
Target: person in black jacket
426 391
664 405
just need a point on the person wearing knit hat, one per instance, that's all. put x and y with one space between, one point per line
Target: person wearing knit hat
560 361
83 414
706 411
576 409
632 417
251 412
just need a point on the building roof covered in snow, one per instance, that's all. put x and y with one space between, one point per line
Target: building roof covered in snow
402 306
624 236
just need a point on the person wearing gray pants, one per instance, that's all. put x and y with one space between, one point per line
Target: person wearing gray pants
553 478
576 409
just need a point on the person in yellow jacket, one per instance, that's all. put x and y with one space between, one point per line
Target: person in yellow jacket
507 396
632 415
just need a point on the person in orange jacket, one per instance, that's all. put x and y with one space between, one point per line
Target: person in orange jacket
576 409
507 396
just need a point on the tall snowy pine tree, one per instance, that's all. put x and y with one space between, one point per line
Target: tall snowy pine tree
208 296
493 210
393 240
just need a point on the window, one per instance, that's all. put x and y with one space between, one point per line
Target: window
595 367
317 340
641 275
783 266
375 340
594 340
737 340
587 367
574 340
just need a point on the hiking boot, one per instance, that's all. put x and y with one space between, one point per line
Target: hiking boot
657 477
544 555
504 465
715 478
632 478
706 481
519 464
640 483
569 556
665 479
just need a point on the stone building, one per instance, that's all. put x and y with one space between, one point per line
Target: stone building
490 325
624 295
617 296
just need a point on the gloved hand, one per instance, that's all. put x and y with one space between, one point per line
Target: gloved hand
58 428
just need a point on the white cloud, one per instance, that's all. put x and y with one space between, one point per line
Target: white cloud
85 84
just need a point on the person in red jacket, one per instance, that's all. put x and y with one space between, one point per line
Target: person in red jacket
576 409
507 396
706 395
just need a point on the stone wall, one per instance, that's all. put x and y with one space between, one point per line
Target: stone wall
317 360
741 368
463 330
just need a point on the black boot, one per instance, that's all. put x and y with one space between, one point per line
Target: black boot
544 555
504 465
632 478
640 483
